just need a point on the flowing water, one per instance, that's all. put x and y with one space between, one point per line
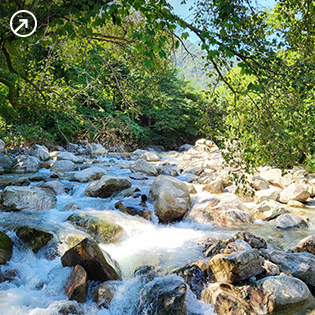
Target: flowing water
39 279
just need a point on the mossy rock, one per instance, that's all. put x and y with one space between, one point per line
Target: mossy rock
34 238
6 247
102 230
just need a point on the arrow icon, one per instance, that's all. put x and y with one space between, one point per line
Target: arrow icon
24 22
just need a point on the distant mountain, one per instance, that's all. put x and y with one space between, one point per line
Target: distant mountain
191 65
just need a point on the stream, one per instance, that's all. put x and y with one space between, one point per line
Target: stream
38 284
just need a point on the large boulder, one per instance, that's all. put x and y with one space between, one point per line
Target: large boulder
299 265
63 166
223 209
41 152
289 221
107 185
171 198
26 164
68 156
268 210
6 247
294 192
16 198
103 230
76 286
98 264
278 293
6 161
236 267
163 296
34 238
89 174
143 166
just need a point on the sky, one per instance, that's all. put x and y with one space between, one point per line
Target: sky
183 11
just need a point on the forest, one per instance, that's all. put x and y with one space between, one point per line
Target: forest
105 71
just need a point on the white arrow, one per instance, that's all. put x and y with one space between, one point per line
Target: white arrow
24 22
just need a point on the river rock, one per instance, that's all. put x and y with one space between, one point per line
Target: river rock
130 207
289 221
104 294
6 247
265 194
103 230
98 264
2 146
5 161
170 197
34 238
152 157
1 170
41 152
138 176
76 286
63 166
236 267
214 187
72 147
163 296
107 185
274 177
17 198
227 299
210 145
185 147
271 269
296 204
26 164
253 240
56 186
89 174
144 167
223 209
96 149
68 156
277 293
299 265
294 192
259 183
268 210
305 245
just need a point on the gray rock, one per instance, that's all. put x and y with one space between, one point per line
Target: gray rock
72 147
143 167
88 174
171 198
63 166
98 264
96 149
269 209
289 221
104 294
299 265
107 185
68 156
236 267
6 161
294 192
259 183
56 186
1 170
41 152
17 198
185 147
26 164
280 293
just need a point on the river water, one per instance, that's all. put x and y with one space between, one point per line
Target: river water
39 282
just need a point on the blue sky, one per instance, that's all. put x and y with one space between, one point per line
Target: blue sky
183 10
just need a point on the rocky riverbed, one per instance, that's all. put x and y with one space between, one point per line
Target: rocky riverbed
87 231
